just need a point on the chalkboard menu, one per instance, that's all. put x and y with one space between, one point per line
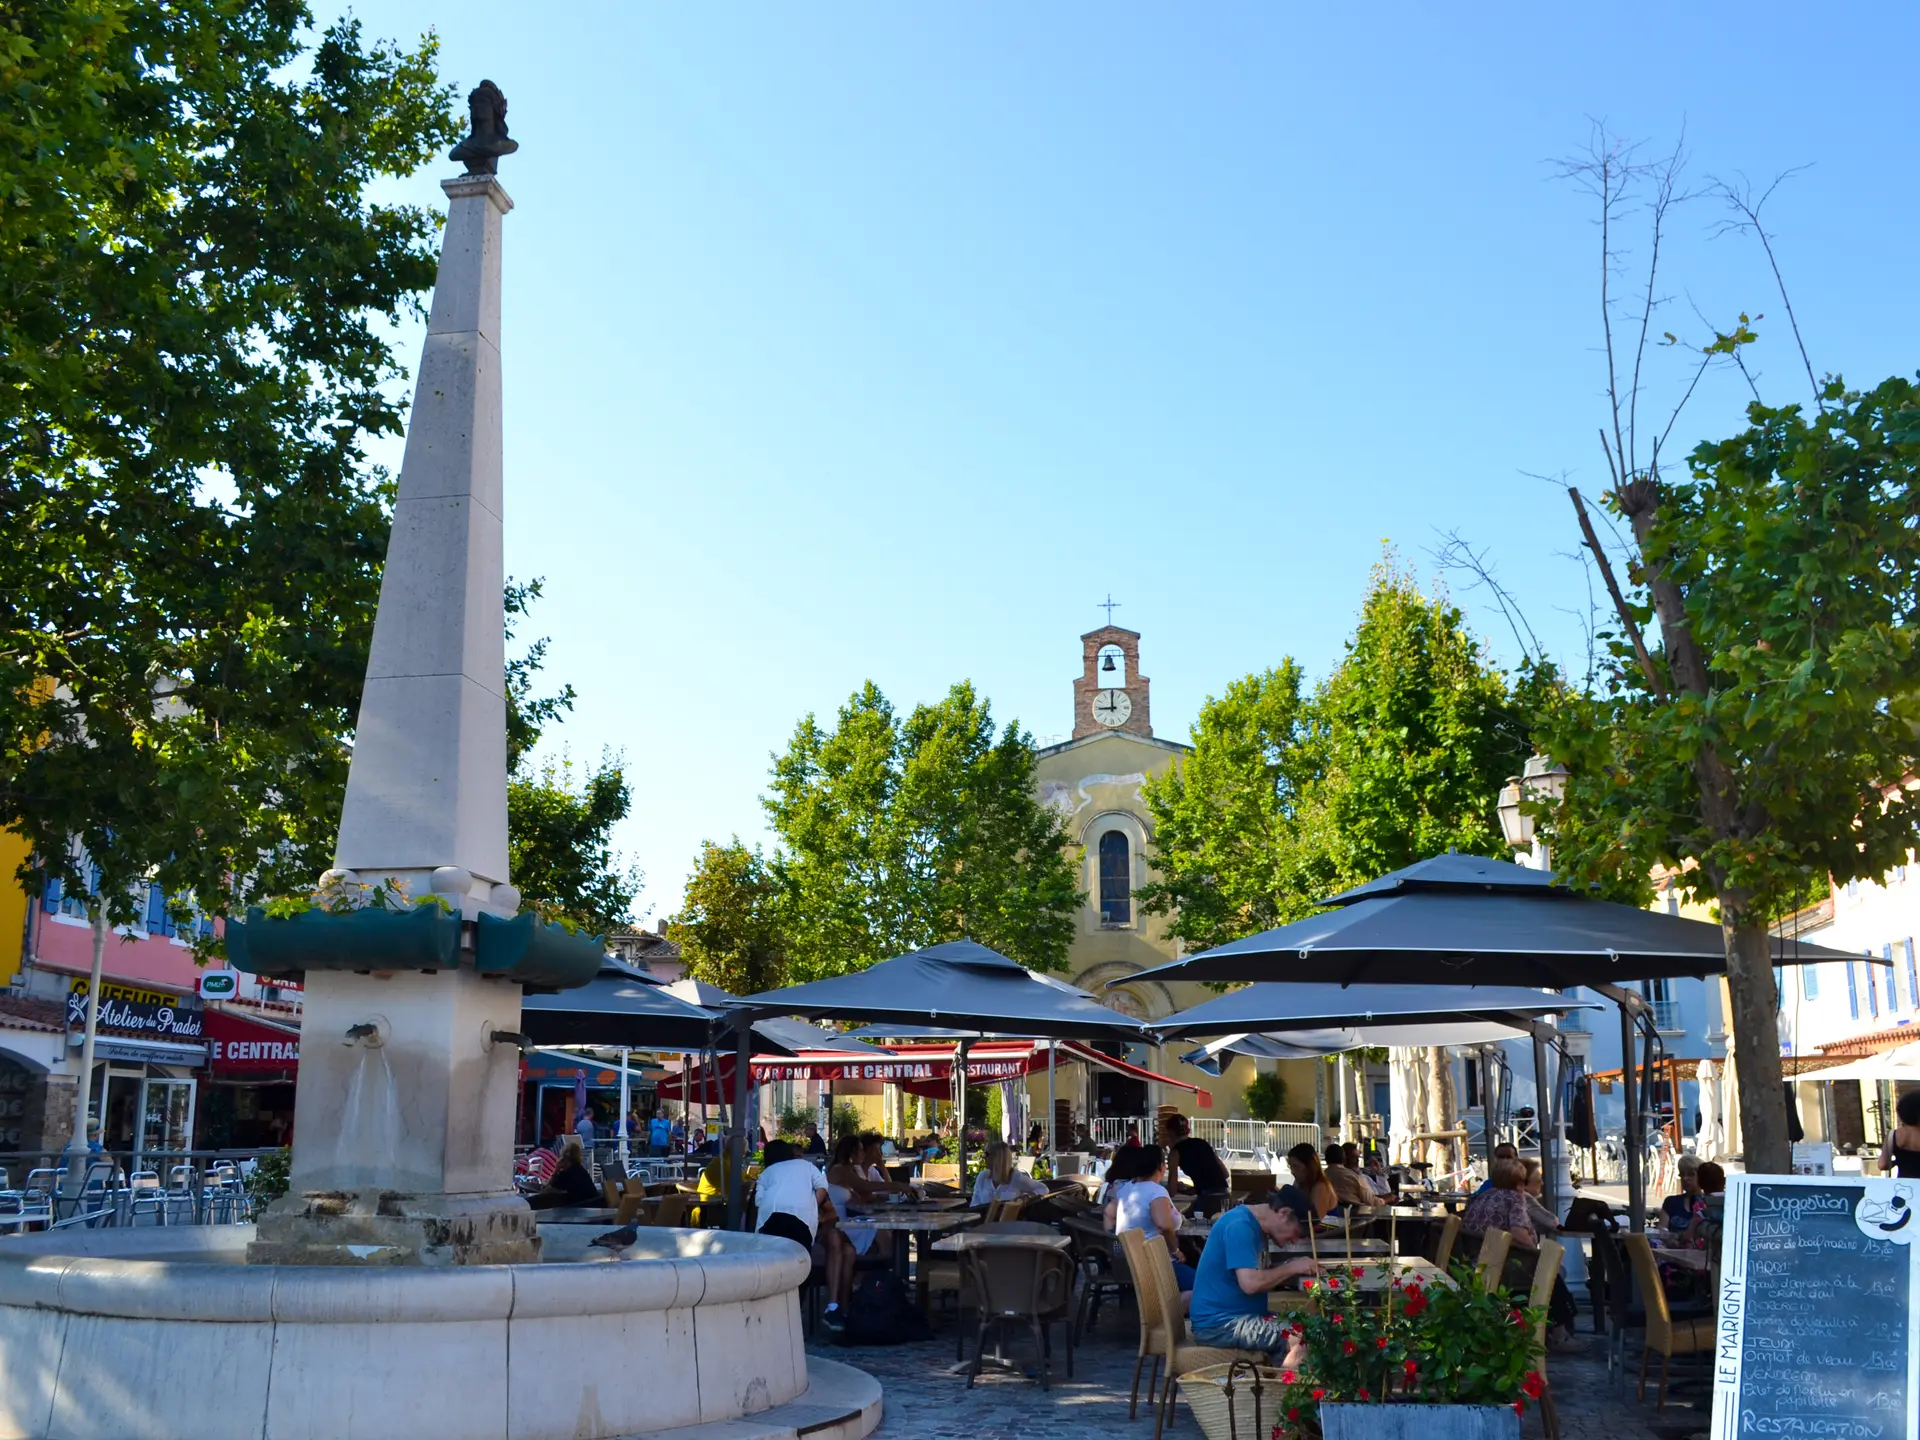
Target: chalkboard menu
1815 1334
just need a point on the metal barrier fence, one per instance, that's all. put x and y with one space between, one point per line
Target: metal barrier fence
1235 1139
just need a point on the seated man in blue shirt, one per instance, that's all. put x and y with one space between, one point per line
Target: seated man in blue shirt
1230 1285
1502 1151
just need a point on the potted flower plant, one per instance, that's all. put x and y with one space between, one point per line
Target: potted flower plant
1415 1346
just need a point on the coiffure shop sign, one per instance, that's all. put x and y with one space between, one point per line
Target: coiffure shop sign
143 1014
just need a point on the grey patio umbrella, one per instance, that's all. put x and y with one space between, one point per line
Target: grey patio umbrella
620 1008
1468 920
1269 1008
959 984
1318 1044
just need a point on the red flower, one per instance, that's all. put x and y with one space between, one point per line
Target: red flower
1381 1342
1363 1393
1533 1384
1338 1319
1319 1394
1520 1407
1518 1317
1286 1377
1333 1282
1347 1347
1412 1369
1293 1413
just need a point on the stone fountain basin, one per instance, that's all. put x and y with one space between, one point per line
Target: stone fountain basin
167 1332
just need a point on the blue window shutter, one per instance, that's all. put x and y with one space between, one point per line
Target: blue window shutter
1779 988
1913 976
156 910
50 895
1810 982
1873 992
1893 979
1853 992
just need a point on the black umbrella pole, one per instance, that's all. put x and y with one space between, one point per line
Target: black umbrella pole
737 1141
1541 1116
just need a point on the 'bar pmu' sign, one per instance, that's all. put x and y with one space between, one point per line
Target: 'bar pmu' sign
1816 1331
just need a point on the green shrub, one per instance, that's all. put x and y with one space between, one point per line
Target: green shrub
1265 1096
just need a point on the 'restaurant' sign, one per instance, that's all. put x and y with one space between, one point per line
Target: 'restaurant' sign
236 1044
130 1010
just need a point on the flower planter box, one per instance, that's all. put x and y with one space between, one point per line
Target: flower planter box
527 949
1419 1422
424 937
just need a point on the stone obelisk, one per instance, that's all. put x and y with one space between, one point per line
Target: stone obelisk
403 1125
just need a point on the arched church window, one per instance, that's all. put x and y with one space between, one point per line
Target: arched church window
1110 668
1116 880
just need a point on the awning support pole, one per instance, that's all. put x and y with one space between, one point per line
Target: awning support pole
737 1138
960 1128
1543 1117
626 1104
1053 1141
1630 1005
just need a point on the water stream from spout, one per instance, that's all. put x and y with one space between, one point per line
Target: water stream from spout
369 1139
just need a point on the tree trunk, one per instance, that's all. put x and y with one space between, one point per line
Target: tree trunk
1756 1053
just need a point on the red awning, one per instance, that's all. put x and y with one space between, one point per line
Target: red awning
918 1069
241 1045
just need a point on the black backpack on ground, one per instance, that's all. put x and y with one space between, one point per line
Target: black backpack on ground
879 1312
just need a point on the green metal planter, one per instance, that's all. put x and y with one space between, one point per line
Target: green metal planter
425 937
533 952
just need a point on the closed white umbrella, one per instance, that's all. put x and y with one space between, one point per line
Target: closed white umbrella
1706 1140
1900 1063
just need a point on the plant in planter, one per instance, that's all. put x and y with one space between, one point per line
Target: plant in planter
1417 1344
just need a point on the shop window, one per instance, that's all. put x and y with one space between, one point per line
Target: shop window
1116 880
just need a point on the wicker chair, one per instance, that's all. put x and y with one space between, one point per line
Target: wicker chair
1015 1284
1492 1260
1546 1269
1665 1333
1178 1352
1443 1248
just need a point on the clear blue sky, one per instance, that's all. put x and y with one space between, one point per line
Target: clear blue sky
857 341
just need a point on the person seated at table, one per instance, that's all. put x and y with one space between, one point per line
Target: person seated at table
1229 1302
854 1173
1709 1206
1142 1203
1676 1211
1000 1178
1502 1151
711 1190
1304 1161
1375 1174
1534 1187
1349 1185
1502 1206
1188 1154
572 1183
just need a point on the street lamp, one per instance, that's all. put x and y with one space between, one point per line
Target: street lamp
1542 781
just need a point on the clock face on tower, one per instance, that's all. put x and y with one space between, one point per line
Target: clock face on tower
1112 707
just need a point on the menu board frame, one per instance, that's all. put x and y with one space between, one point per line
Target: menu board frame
1730 1310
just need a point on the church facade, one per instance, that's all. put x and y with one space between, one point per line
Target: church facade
1092 781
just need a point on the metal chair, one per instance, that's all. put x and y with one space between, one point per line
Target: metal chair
1016 1284
182 1206
145 1197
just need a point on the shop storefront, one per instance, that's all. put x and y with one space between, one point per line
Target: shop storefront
252 1066
147 1046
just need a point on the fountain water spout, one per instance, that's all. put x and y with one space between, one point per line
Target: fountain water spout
367 1031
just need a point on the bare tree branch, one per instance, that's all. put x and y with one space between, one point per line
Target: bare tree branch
1740 199
1456 554
1647 668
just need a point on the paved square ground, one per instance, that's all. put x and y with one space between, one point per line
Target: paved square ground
927 1396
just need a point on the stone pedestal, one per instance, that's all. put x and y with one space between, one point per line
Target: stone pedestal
403 1149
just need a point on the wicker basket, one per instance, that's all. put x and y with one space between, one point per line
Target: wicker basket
1241 1401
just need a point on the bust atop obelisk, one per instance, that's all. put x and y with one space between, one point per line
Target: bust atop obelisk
403 1149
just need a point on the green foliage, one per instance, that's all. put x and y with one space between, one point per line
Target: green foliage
195 294
1436 1345
268 1180
901 833
1399 754
845 1120
559 824
730 928
560 842
1265 1096
1796 547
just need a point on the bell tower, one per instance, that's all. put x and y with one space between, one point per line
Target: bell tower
1111 693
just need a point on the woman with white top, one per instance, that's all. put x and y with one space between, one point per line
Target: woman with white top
1000 1179
1143 1203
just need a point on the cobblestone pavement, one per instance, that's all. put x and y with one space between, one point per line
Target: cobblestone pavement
927 1396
